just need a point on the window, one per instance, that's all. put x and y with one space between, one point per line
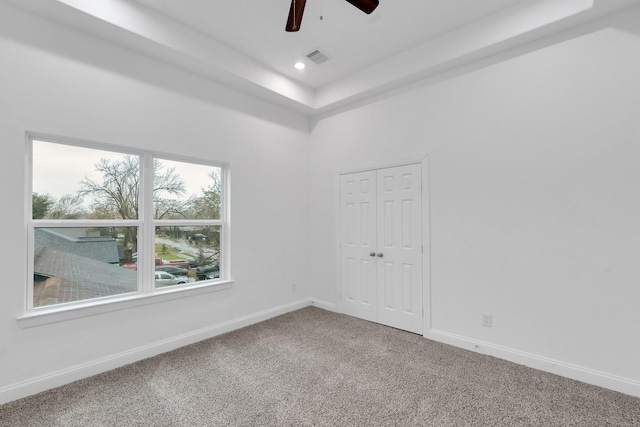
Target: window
111 224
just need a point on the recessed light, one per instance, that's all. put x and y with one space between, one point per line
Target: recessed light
299 65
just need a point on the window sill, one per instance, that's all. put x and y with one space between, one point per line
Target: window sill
54 314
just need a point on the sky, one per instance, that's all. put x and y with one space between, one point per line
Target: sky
58 169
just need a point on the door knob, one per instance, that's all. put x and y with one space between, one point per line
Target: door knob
372 254
379 254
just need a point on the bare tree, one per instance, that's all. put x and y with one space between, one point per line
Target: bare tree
171 209
68 206
209 205
119 191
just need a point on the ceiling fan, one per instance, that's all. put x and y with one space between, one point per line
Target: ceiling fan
297 9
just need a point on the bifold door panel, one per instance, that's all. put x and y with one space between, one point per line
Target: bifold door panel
358 242
381 246
399 241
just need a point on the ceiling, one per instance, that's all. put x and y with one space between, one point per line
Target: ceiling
352 39
243 44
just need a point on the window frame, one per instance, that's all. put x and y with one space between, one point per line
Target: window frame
146 225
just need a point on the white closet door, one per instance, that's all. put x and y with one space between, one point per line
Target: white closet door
381 246
399 242
358 242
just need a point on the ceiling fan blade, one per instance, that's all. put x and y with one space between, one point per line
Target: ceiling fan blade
367 6
295 15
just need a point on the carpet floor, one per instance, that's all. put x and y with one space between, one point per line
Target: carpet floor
316 368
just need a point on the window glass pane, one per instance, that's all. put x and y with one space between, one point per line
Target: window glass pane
193 251
81 263
78 183
186 190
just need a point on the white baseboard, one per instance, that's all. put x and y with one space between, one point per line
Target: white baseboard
78 372
586 375
85 370
329 306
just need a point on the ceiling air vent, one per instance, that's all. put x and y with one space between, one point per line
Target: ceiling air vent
317 56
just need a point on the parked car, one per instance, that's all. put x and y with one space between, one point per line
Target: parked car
180 263
167 279
183 263
211 271
176 271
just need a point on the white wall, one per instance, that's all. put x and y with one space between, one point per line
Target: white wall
534 201
533 193
56 81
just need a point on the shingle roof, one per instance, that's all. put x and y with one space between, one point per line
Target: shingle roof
80 278
102 248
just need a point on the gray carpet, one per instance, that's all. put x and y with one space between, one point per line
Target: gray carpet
317 368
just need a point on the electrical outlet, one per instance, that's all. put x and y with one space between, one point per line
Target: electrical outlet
487 320
293 287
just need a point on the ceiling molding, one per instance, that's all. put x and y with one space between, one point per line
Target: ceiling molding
141 29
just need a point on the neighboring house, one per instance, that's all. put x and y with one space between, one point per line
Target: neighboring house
60 276
79 241
73 264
